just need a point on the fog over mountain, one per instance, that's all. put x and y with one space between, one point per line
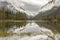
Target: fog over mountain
32 6
34 9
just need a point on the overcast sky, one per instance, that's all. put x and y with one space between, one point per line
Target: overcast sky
33 5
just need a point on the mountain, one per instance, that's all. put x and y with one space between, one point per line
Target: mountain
31 9
6 5
49 9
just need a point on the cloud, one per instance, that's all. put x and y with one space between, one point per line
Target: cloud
36 2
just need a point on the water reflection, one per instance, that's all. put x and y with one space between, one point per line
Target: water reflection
54 26
4 26
32 30
51 26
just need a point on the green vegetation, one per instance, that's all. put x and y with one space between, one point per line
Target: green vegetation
4 34
9 18
28 34
20 24
20 16
9 15
4 26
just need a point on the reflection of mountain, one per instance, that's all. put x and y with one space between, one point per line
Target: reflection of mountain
50 25
5 26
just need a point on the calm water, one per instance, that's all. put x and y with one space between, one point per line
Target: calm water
30 30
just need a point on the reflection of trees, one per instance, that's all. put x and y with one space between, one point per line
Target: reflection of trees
4 26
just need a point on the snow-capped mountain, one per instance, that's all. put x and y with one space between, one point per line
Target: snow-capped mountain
8 6
30 7
50 8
